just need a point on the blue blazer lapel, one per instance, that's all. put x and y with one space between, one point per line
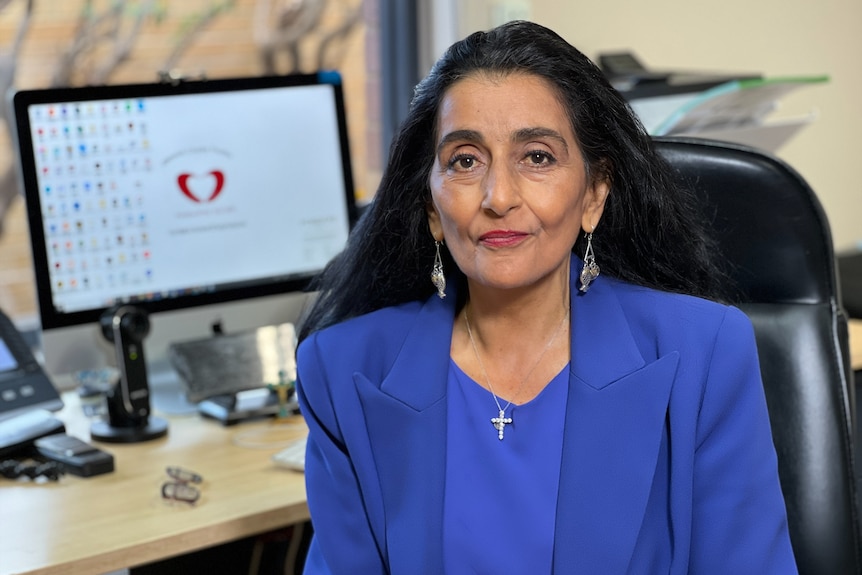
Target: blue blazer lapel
615 419
406 421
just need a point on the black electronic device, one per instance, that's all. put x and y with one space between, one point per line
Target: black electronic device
17 433
230 408
23 383
621 64
850 280
636 81
625 71
129 418
77 456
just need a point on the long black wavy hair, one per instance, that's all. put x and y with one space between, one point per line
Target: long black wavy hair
650 233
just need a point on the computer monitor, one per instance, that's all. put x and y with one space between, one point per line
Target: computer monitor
202 202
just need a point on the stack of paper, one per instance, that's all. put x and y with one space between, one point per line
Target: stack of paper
737 111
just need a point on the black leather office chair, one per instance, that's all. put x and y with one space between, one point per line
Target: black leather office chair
773 231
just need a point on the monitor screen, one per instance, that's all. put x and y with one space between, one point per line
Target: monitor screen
176 195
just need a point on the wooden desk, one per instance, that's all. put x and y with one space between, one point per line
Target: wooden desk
855 326
118 520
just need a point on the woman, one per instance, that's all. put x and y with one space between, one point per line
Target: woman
481 399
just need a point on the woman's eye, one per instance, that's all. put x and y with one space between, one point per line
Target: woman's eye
462 162
538 158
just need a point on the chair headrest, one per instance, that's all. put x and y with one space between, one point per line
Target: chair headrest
769 223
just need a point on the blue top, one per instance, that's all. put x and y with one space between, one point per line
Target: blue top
500 500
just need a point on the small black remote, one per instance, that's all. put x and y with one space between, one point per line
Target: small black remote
77 456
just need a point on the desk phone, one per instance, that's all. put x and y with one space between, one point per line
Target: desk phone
23 383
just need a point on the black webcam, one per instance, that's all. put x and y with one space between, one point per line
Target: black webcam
129 419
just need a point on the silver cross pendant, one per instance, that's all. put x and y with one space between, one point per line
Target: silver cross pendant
500 422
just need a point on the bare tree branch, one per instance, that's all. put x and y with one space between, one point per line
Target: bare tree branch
283 27
122 44
8 64
9 58
86 36
198 25
353 17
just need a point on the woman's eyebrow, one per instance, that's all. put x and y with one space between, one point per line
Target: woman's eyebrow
525 134
471 136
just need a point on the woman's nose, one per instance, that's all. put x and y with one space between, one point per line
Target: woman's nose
500 191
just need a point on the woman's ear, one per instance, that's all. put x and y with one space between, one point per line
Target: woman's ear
594 202
434 221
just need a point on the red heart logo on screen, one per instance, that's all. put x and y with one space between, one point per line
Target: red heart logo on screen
201 188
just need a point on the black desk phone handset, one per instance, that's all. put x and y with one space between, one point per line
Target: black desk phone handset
23 383
28 427
27 396
36 435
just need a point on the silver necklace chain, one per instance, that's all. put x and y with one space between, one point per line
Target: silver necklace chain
501 421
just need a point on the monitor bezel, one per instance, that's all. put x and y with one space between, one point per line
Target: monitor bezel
20 102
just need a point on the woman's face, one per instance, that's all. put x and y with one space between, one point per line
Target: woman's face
509 189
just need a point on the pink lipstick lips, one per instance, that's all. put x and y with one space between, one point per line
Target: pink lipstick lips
502 238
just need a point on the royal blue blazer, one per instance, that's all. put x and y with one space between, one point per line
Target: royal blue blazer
668 464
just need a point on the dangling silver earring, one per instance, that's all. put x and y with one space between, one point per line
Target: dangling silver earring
590 270
437 277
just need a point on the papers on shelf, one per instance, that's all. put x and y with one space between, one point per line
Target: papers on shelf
737 110
768 136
